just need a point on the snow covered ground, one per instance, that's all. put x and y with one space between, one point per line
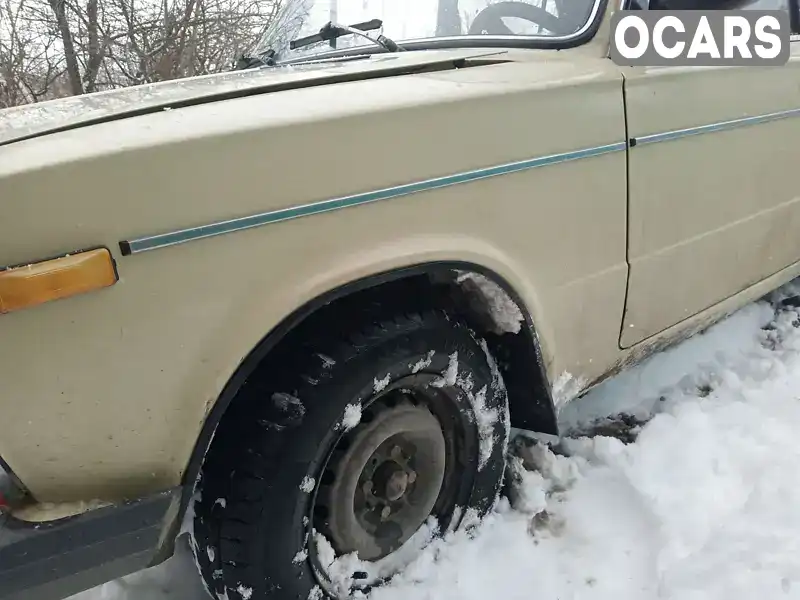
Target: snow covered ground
704 503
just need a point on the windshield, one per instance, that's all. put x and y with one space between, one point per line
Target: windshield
428 22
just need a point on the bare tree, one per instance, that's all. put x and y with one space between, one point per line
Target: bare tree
55 48
27 72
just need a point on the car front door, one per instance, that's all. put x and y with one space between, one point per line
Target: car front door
714 198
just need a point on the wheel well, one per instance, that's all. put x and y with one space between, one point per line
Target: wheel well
482 298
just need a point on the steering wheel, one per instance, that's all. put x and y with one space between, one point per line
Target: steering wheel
489 20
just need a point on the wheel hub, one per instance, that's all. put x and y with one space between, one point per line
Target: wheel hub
393 480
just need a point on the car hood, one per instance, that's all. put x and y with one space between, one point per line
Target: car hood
33 120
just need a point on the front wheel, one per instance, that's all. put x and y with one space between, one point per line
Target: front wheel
341 460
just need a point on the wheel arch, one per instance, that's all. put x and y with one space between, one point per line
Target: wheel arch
530 400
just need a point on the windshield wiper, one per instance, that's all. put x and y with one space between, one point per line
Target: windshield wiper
331 31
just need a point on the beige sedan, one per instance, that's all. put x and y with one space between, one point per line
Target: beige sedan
297 307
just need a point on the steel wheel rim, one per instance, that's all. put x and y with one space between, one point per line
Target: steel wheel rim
460 440
387 482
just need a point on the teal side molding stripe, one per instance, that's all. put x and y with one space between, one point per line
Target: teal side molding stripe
712 127
163 240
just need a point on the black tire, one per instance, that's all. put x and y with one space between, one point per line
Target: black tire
253 524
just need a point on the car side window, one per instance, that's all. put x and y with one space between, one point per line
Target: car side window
787 5
795 8
792 7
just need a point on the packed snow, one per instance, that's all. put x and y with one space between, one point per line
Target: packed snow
342 568
506 314
380 384
677 480
307 485
422 363
484 416
352 416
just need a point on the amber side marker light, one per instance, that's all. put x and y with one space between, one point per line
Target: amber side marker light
36 283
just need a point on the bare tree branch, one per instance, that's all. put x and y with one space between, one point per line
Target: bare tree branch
54 48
